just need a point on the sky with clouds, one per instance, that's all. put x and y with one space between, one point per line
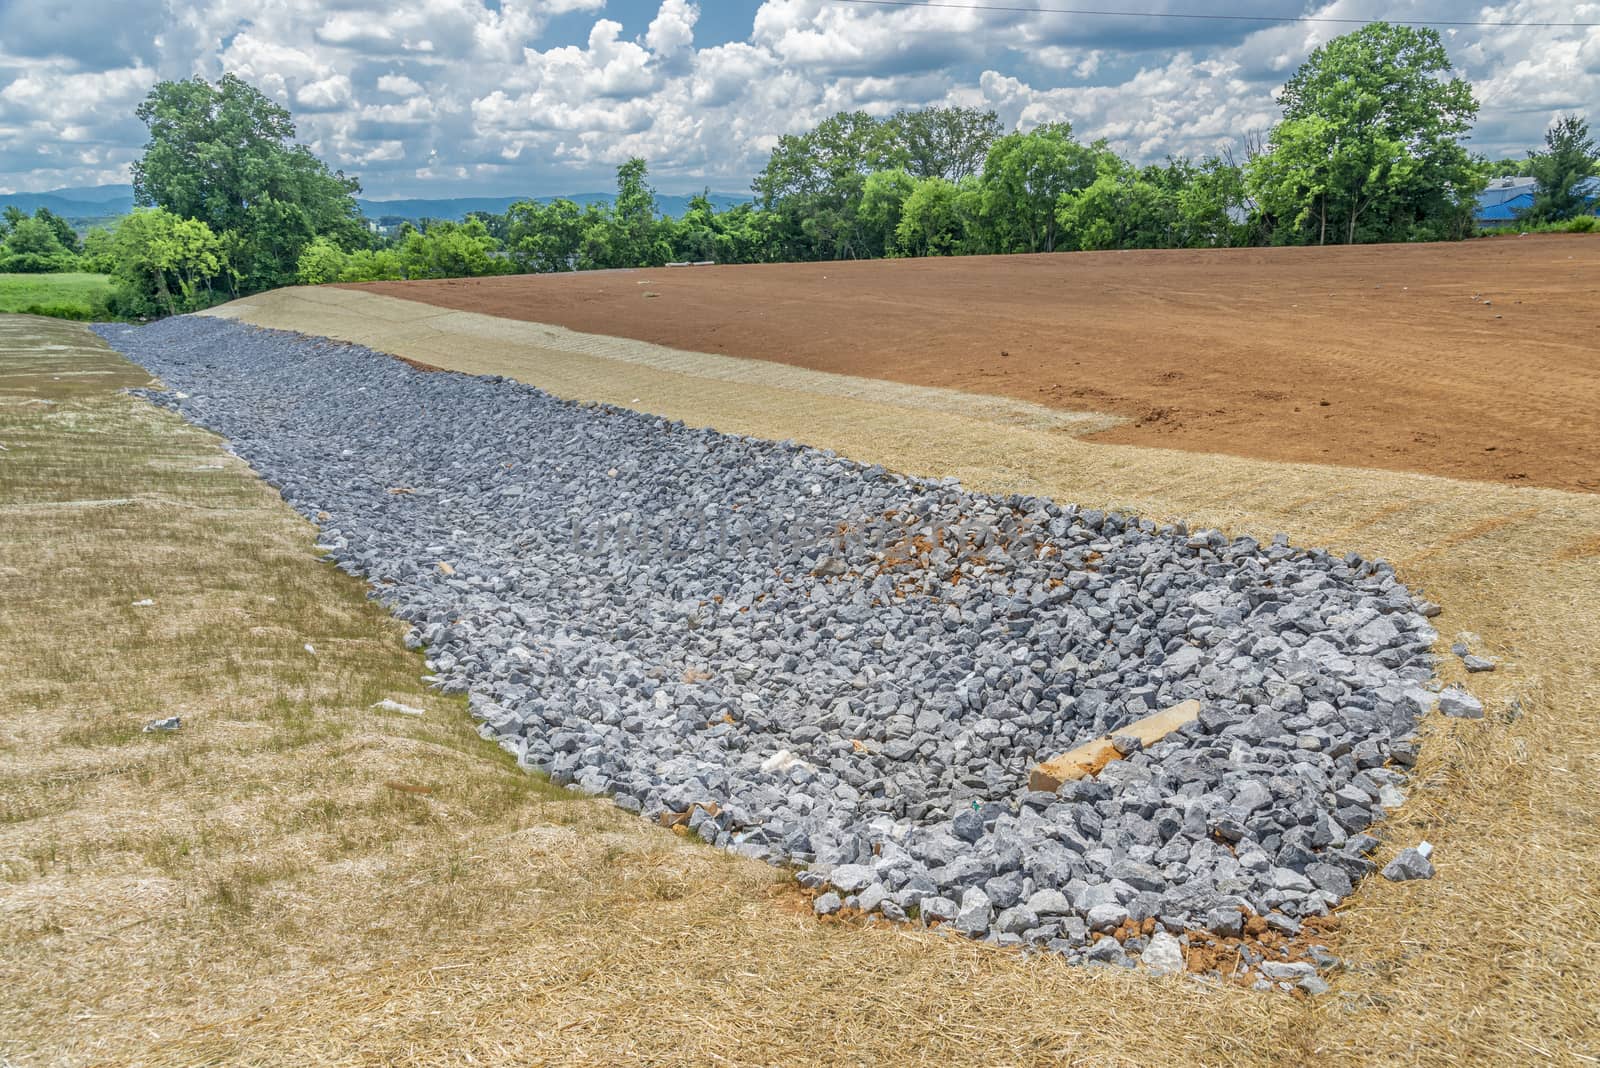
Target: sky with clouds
506 97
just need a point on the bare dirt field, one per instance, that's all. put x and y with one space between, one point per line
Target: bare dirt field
1476 360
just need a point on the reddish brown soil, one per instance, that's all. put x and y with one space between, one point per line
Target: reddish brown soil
1477 360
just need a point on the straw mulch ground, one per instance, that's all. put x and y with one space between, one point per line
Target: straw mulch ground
296 878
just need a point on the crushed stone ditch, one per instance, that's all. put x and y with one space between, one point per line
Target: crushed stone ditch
825 664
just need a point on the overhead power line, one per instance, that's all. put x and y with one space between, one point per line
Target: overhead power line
1094 12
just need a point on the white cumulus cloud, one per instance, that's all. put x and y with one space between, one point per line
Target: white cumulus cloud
452 96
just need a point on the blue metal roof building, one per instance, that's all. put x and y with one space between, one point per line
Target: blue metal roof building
1506 198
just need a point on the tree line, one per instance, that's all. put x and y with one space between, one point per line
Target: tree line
1369 149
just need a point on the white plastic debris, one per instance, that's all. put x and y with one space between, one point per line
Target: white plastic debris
171 723
309 649
146 603
1425 848
395 706
782 760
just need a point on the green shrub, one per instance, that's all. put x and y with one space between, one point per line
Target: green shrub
37 263
1583 224
78 312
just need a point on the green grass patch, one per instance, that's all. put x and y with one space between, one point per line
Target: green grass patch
60 296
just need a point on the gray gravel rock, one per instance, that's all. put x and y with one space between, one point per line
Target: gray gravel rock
734 630
1049 902
1016 920
1107 951
1457 702
848 878
1106 917
1162 955
976 913
1408 864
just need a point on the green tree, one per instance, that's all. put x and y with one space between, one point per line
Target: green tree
1024 179
932 219
638 240
542 238
451 250
1214 206
225 154
32 246
1119 209
1568 158
597 239
1505 168
944 142
745 234
320 262
61 228
494 224
1292 182
693 236
1203 204
372 265
270 241
813 182
165 263
882 197
99 251
1370 146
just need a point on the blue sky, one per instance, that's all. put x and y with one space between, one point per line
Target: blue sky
451 97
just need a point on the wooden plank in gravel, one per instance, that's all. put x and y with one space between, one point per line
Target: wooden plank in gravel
1090 757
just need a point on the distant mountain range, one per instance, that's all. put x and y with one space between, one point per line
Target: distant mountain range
82 205
87 205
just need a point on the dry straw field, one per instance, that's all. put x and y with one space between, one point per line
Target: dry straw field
295 877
